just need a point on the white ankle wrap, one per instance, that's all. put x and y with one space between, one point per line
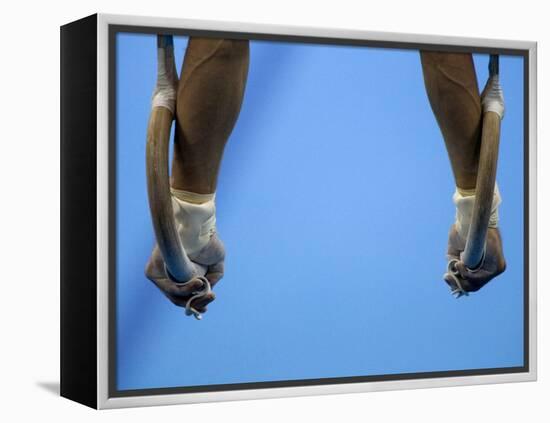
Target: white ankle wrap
492 98
195 223
165 91
464 202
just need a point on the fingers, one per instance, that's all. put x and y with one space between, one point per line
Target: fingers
471 281
476 278
463 279
457 283
179 290
214 274
180 295
200 303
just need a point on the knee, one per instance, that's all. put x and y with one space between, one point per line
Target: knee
219 49
233 50
449 62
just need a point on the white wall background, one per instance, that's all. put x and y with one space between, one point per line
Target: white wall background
29 174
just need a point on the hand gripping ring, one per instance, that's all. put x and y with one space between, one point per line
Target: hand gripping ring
454 274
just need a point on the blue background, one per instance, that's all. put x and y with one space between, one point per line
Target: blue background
334 203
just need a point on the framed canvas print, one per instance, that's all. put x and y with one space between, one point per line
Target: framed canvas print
254 211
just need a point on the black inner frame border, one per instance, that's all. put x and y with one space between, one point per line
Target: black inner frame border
114 29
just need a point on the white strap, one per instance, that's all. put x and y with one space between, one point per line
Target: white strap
492 98
165 91
465 207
